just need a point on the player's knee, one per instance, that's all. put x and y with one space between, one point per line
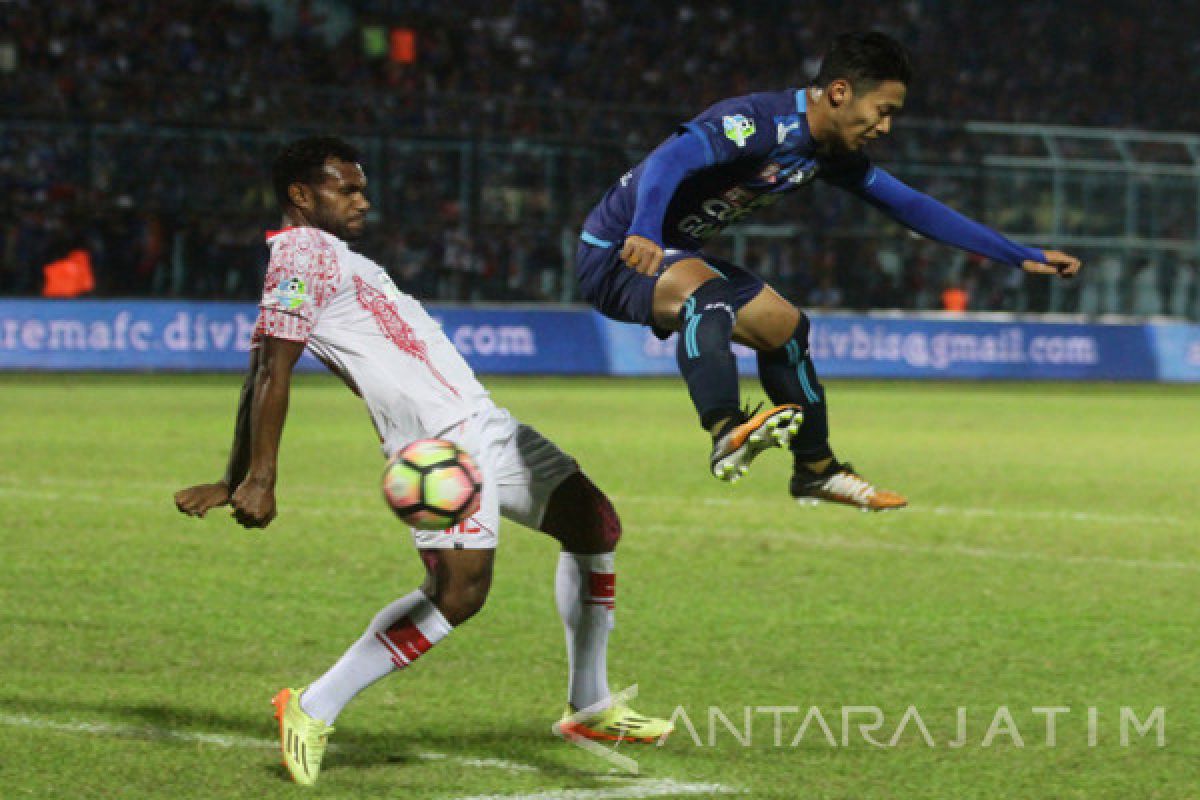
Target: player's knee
795 349
800 335
457 581
714 297
675 286
607 523
463 598
581 517
706 323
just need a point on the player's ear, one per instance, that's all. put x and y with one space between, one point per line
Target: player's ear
301 195
839 92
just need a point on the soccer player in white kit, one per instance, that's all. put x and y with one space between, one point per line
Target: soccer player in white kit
320 294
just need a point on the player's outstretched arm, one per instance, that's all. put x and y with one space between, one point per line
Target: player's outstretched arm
254 498
927 216
196 501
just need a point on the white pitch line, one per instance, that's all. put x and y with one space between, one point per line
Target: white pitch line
228 740
129 731
1000 513
831 543
1063 514
376 512
661 787
839 543
18 487
495 763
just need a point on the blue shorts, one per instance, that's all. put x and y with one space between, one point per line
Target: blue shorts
622 293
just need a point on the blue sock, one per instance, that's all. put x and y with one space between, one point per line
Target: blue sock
703 351
788 376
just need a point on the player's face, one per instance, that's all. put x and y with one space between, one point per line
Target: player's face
340 202
864 116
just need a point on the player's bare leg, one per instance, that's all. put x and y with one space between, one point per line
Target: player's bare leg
690 297
779 332
583 520
455 588
458 581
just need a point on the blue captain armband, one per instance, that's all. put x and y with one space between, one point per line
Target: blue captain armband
927 216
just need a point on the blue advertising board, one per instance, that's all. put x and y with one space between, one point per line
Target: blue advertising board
43 335
124 335
1178 349
898 347
182 336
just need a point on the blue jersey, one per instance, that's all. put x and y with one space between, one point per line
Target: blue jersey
745 153
757 149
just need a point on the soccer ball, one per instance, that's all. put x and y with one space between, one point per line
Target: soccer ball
432 484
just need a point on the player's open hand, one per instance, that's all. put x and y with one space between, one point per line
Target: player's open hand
195 501
642 254
254 504
1056 263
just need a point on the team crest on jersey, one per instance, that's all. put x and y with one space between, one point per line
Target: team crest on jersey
738 128
291 293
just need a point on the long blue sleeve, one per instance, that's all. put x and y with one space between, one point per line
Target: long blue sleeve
664 170
928 217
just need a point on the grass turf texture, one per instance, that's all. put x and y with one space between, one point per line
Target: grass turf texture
1050 559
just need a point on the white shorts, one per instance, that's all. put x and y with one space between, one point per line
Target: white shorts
521 469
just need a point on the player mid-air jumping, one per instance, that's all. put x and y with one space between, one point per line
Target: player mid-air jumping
642 260
382 343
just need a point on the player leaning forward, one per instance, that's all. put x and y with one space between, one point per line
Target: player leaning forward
641 258
385 346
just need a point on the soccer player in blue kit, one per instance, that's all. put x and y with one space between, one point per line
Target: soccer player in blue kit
641 257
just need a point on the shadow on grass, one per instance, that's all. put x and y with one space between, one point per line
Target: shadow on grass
528 749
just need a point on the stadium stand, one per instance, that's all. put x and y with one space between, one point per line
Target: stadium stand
138 130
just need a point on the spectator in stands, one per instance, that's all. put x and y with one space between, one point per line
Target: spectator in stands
546 71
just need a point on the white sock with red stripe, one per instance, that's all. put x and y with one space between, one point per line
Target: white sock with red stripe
585 591
397 636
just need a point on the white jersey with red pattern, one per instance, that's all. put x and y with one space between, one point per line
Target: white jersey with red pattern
379 340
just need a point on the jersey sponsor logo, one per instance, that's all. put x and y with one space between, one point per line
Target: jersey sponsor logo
738 128
290 294
717 212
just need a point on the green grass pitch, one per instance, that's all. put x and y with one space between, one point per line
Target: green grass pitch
1050 559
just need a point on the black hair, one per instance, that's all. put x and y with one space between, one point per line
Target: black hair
301 161
865 60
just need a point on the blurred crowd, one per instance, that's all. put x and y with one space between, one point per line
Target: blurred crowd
1076 62
142 130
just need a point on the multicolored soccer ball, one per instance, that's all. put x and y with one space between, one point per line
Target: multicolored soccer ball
432 484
